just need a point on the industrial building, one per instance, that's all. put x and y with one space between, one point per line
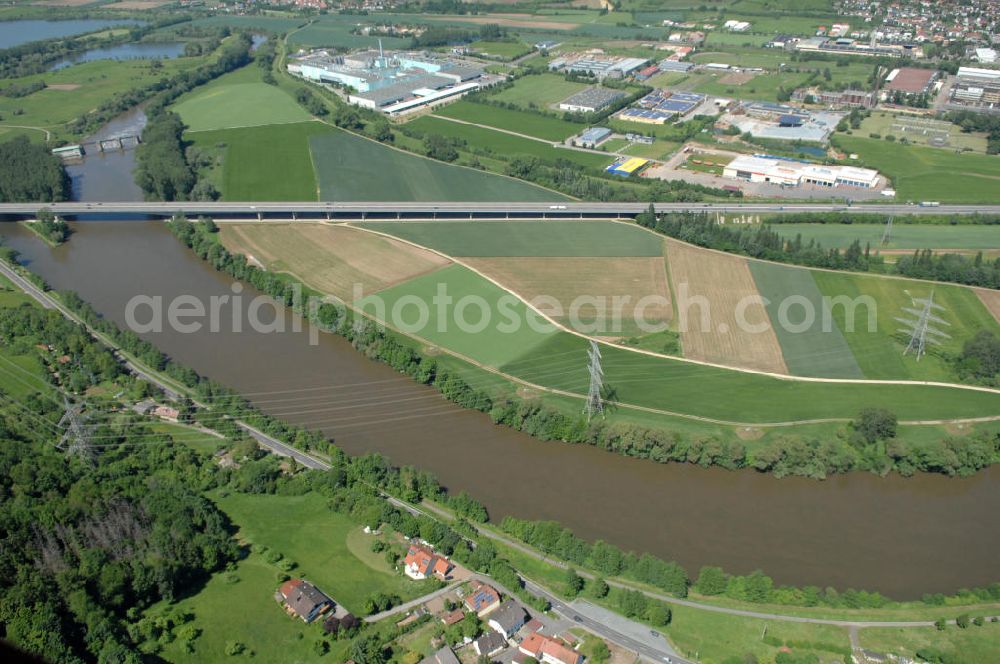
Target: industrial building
675 65
910 80
591 138
599 66
846 46
394 82
783 122
793 173
976 89
659 106
835 98
627 167
590 100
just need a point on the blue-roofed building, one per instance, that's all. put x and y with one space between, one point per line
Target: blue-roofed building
591 138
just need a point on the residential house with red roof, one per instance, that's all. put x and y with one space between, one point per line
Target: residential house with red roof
481 598
549 650
303 599
421 562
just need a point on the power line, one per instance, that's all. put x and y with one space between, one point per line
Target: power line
920 328
595 402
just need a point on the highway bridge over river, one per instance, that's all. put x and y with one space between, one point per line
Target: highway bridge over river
312 210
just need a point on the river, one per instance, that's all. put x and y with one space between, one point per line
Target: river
15 33
903 537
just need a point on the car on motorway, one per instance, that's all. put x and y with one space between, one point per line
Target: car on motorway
557 207
577 619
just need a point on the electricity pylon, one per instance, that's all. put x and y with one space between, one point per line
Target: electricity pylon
76 439
595 402
921 329
887 233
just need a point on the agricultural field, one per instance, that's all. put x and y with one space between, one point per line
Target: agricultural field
352 168
478 331
991 300
500 50
523 122
586 290
237 99
508 145
712 332
331 259
266 163
809 346
922 173
879 351
527 238
540 91
904 237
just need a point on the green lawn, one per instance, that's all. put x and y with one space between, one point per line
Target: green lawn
352 168
507 145
304 530
241 607
528 238
929 174
267 163
237 99
523 122
539 91
886 124
500 50
818 350
879 352
969 645
904 236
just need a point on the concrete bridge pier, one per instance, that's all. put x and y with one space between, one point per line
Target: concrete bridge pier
260 216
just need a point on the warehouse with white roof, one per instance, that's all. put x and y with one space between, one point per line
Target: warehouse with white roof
791 173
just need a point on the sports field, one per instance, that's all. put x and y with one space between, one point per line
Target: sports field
267 163
352 168
523 122
922 174
331 259
527 238
508 145
237 99
795 307
903 236
593 295
720 318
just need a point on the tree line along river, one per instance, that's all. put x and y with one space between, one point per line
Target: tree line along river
903 537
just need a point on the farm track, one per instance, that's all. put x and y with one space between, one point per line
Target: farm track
699 418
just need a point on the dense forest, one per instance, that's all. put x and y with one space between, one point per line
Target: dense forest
30 172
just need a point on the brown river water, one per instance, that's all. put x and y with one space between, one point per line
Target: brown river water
903 537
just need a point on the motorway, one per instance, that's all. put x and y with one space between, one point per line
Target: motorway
442 209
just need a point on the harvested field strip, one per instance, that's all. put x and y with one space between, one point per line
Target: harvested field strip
879 347
331 259
734 329
526 238
352 168
586 290
811 343
991 300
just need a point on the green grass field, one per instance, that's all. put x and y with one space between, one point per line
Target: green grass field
818 350
929 174
75 90
527 238
879 352
972 644
523 122
500 50
904 236
237 99
476 331
267 163
507 145
351 168
317 543
539 91
886 124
